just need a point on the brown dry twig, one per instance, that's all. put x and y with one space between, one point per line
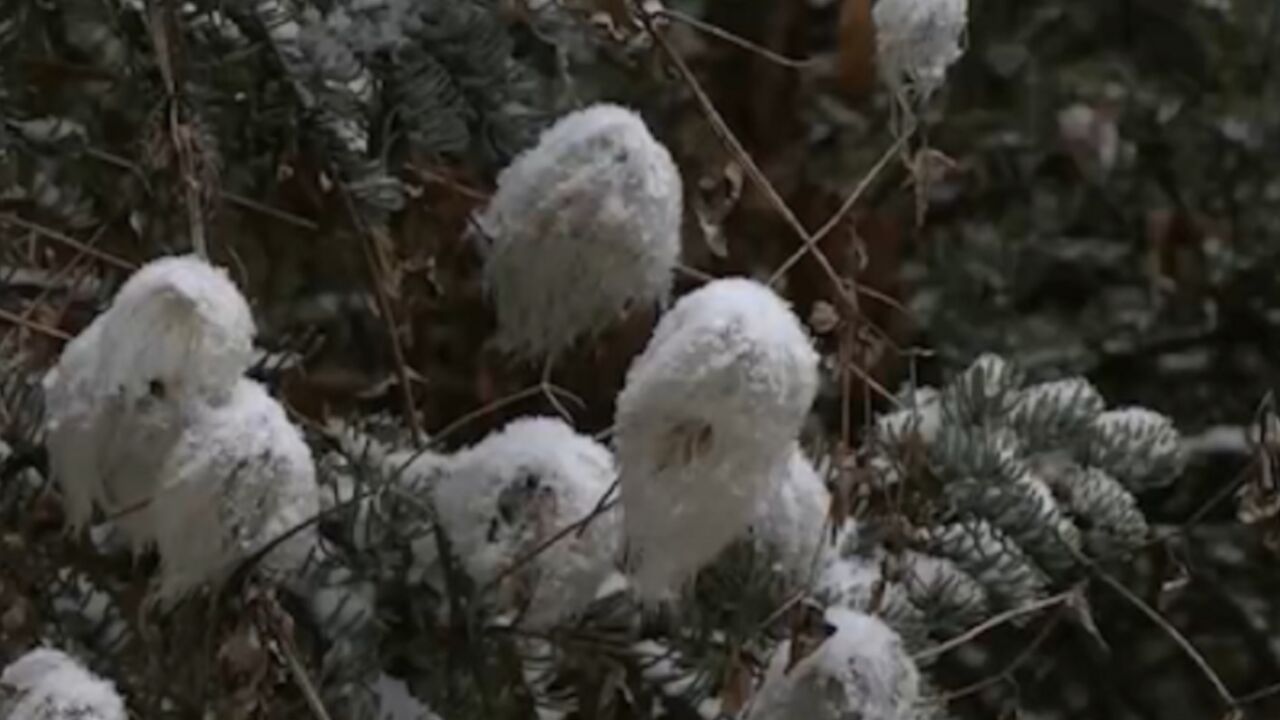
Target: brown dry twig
162 23
844 208
1006 673
981 628
732 38
58 237
551 540
744 159
27 323
1228 699
373 263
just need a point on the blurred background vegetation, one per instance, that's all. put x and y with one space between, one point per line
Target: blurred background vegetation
1095 191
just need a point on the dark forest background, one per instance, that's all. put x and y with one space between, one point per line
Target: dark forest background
1096 191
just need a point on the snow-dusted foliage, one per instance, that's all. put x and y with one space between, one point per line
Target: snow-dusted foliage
984 394
1051 414
48 684
860 671
991 558
917 40
705 425
1116 522
1137 446
372 484
1018 483
506 497
920 415
240 479
176 338
854 577
583 225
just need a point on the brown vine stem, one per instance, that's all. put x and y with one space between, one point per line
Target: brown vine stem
1020 660
51 234
981 628
733 39
36 303
845 207
373 263
545 545
297 670
1159 620
161 22
748 163
29 324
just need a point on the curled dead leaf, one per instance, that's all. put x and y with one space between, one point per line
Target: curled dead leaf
717 195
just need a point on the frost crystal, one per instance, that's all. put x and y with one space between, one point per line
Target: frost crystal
917 40
861 671
176 337
706 423
583 226
507 496
240 478
47 684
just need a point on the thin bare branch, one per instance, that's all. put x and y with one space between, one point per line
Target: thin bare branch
32 325
1159 620
67 240
844 209
982 628
733 39
376 278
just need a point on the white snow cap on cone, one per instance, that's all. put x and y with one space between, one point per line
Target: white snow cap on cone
584 225
48 684
506 496
861 671
177 335
706 424
789 522
917 40
240 478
